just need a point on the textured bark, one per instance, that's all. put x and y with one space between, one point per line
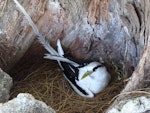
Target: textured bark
16 34
116 31
140 77
138 25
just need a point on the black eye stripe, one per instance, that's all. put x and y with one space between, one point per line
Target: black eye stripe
94 69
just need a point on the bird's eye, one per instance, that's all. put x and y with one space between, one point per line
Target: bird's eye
94 69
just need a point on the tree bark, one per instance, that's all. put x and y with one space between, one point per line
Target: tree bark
140 78
116 31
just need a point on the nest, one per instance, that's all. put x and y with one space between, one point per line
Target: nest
46 83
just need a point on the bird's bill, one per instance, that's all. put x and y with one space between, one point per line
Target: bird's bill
86 74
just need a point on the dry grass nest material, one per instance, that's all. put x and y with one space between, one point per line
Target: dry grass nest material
46 83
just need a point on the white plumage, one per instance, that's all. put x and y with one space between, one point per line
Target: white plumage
98 79
86 78
93 82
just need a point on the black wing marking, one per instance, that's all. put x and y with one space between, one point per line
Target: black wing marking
71 72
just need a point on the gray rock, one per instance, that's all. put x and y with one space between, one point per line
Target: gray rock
5 85
25 103
133 105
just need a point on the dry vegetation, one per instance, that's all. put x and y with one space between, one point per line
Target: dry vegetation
46 82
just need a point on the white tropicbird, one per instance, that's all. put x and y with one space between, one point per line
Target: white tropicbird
86 78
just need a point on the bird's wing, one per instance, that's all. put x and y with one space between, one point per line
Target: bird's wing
71 74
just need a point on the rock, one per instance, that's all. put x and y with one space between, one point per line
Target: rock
5 85
136 105
25 103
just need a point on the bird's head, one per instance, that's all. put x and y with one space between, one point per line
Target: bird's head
91 68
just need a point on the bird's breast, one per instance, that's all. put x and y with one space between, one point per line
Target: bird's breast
97 81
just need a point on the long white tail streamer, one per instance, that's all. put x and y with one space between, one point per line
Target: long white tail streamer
40 37
43 41
59 48
59 58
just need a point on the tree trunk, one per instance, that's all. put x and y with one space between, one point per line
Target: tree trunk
116 31
139 79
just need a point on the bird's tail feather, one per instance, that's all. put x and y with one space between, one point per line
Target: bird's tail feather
60 52
41 39
45 43
59 58
59 48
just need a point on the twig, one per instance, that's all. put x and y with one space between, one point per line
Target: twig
2 12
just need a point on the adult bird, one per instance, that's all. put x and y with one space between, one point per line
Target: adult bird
86 78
